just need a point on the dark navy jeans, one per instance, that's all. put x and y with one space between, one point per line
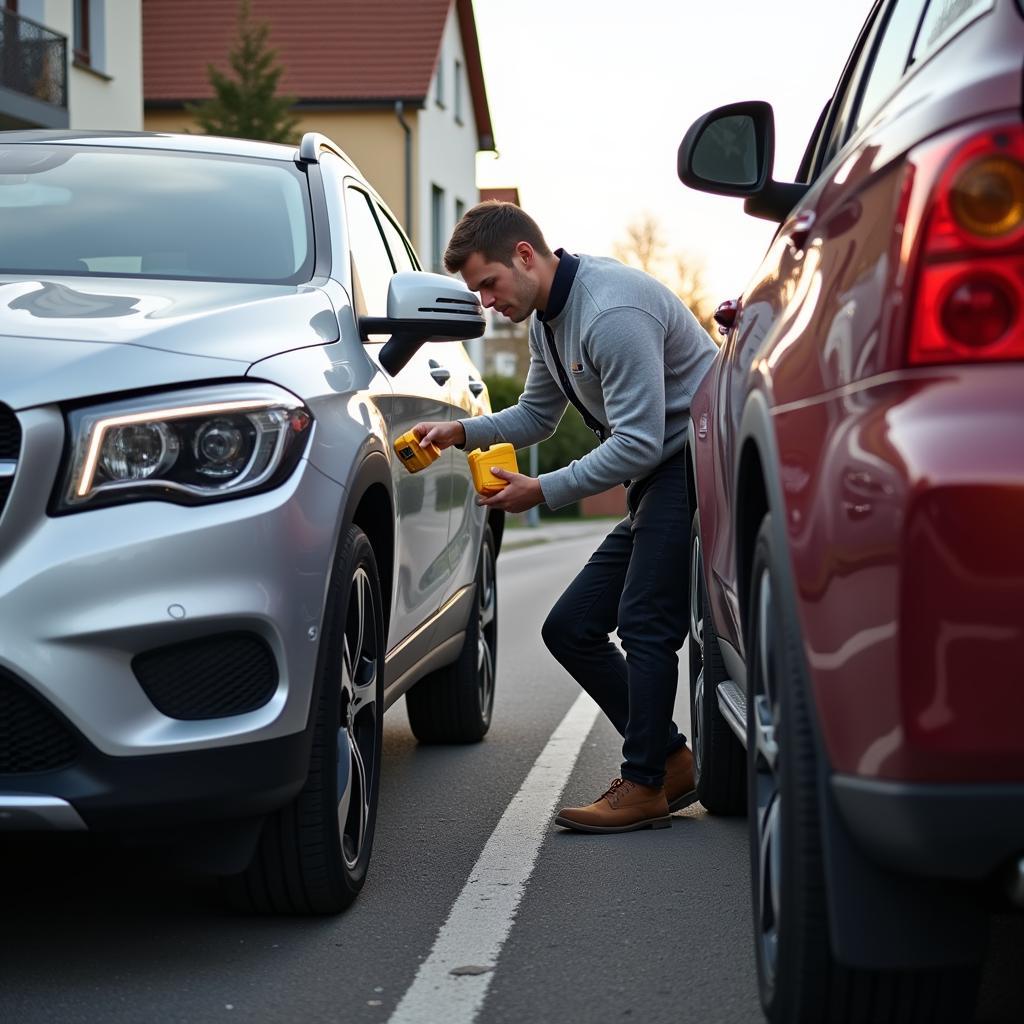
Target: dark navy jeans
637 581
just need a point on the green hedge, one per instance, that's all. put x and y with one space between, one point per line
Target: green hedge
570 440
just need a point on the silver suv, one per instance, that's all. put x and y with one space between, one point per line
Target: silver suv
215 573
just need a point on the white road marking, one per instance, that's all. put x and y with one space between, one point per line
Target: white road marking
482 916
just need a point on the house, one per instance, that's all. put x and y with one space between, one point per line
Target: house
71 64
398 84
505 351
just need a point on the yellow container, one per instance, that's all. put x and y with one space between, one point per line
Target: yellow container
413 455
482 461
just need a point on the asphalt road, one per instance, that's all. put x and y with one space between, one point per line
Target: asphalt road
650 926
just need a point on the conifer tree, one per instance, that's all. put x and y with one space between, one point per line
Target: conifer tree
245 105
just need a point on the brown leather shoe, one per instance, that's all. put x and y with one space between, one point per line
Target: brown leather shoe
679 784
626 806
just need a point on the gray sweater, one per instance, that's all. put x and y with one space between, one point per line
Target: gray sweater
634 353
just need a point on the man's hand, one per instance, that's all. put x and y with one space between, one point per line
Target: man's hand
443 434
521 492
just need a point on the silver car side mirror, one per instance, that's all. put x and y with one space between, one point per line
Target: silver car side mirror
423 307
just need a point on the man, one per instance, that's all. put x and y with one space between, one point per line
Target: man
622 348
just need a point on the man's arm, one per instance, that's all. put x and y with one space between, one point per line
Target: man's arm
533 418
627 347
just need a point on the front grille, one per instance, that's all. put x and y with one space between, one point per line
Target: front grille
214 677
32 737
10 434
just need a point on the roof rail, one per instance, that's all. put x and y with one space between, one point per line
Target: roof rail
313 142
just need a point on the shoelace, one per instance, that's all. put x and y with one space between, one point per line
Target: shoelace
614 791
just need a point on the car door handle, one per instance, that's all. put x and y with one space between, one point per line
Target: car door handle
800 231
476 387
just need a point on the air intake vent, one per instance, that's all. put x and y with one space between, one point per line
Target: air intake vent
10 444
10 434
214 677
32 737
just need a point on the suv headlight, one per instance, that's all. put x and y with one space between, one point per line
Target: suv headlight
189 447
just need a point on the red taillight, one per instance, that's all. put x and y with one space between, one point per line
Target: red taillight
978 311
969 296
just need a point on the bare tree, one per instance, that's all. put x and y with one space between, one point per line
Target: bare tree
691 287
645 247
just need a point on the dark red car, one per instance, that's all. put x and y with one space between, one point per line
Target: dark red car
857 553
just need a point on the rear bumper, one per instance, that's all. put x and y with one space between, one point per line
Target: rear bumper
939 830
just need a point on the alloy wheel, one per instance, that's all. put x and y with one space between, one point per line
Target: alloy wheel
357 729
487 607
769 810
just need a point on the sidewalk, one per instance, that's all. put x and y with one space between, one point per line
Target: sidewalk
517 536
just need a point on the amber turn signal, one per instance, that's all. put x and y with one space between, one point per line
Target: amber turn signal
987 197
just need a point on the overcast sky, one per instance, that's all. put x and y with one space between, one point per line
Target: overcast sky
589 100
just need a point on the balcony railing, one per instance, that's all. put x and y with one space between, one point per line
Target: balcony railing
33 59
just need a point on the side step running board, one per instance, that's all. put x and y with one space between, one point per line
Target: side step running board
732 702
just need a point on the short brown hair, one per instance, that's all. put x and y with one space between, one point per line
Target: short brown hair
493 229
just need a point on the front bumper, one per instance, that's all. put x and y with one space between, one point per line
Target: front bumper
161 791
81 595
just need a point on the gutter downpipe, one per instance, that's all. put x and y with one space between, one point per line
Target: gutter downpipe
399 112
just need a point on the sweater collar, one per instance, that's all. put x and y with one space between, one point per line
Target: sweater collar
561 285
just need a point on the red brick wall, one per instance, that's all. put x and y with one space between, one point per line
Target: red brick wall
608 503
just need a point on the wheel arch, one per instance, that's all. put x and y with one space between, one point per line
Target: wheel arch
496 521
692 506
756 492
690 447
370 506
693 492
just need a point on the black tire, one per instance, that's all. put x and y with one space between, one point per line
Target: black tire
799 978
454 704
719 760
313 854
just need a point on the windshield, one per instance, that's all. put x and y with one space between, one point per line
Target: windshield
139 213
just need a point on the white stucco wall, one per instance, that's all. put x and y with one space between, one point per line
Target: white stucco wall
447 155
111 98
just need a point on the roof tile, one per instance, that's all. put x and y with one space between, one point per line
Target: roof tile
341 50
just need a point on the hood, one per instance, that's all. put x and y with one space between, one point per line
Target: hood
40 371
241 322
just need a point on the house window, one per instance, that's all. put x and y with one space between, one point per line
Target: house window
437 234
81 32
440 82
504 364
458 92
460 209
